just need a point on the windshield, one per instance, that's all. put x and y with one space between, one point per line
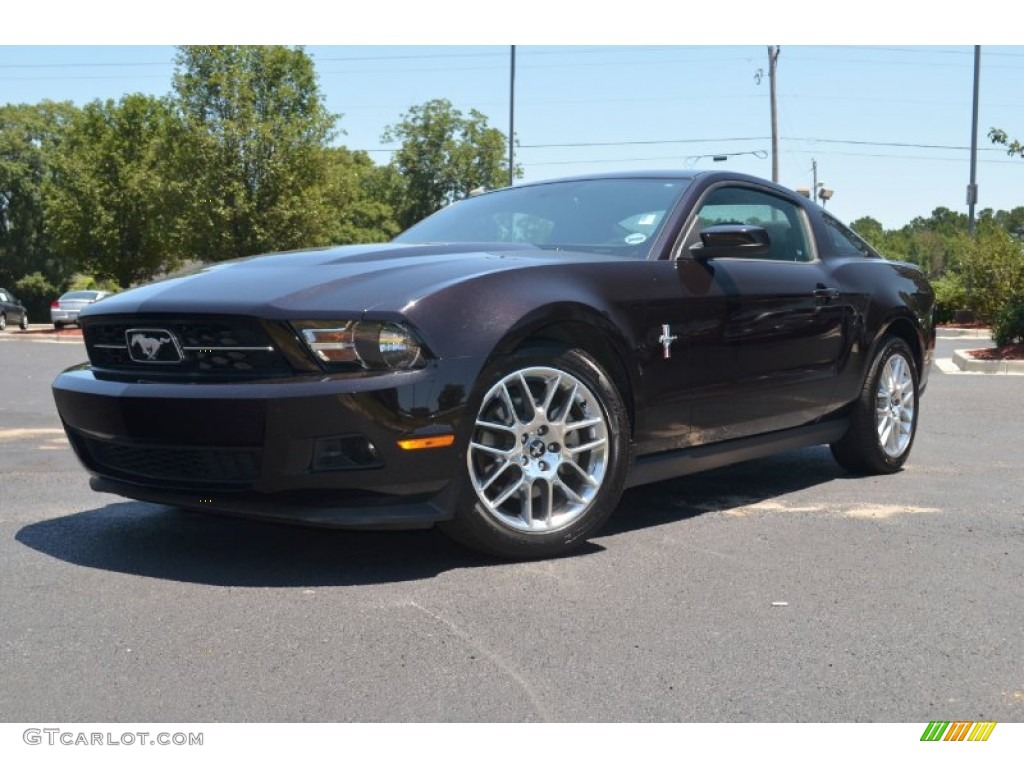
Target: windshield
617 216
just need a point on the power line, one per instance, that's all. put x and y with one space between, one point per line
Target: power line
638 143
833 153
806 139
570 51
923 50
814 140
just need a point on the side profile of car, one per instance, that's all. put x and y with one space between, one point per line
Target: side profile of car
65 310
508 366
12 311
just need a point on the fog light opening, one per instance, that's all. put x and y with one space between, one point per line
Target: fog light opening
345 452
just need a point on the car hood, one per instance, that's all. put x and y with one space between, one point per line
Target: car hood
319 283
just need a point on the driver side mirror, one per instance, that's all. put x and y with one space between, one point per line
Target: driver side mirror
730 240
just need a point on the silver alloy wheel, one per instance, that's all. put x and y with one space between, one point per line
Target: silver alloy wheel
539 451
894 406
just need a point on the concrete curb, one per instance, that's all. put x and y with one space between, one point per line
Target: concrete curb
963 361
959 333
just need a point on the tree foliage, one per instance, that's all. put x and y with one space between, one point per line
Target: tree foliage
114 202
361 195
1013 146
992 268
257 136
443 156
30 138
925 241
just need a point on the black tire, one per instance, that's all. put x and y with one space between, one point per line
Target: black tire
24 321
3 322
58 326
883 422
540 482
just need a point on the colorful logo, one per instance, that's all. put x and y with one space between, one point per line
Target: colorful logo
958 731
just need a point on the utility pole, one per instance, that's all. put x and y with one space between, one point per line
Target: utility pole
512 121
972 188
773 56
814 169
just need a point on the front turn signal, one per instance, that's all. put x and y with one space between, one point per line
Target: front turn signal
434 441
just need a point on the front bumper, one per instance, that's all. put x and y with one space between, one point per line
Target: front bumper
256 448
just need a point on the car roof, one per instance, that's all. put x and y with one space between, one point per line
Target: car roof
669 173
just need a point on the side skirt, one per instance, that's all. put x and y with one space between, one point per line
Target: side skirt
662 466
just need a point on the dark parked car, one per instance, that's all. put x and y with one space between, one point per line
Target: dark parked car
506 367
66 309
12 311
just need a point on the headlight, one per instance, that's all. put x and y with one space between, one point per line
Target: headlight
367 344
397 346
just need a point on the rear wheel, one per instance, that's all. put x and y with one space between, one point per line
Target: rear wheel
58 326
884 419
3 322
24 321
547 457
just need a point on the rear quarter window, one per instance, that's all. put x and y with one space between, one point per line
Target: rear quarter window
844 241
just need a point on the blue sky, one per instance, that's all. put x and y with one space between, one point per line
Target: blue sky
887 122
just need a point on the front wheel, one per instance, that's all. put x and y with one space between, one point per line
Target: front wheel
3 322
546 458
24 321
884 418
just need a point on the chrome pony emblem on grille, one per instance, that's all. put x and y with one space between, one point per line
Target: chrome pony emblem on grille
152 345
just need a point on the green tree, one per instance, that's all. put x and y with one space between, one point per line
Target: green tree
113 207
929 241
30 137
1012 221
444 156
361 193
870 229
1013 146
255 155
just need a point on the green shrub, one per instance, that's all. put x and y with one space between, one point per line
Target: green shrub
1008 327
36 293
950 296
992 269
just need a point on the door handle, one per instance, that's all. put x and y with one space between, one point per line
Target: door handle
823 294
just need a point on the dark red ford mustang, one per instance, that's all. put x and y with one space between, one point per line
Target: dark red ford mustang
505 368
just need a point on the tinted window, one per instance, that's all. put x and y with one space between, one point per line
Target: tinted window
620 216
844 241
782 219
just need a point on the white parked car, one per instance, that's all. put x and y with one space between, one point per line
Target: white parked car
65 309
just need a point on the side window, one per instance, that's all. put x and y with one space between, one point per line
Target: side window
783 220
3 296
844 241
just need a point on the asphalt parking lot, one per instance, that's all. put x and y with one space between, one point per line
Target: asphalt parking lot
777 590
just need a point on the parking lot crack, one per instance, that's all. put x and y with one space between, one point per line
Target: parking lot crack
504 666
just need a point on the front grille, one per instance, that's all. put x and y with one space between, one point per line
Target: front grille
235 347
181 466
